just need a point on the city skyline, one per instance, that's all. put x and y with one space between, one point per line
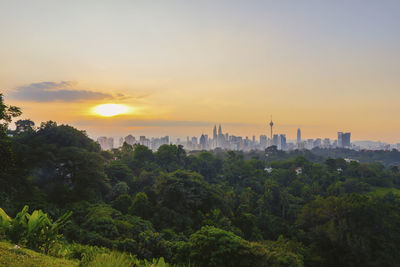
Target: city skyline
175 68
229 141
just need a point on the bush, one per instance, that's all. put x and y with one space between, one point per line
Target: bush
36 230
114 259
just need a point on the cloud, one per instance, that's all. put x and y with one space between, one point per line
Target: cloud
57 91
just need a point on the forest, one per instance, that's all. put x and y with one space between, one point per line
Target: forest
62 196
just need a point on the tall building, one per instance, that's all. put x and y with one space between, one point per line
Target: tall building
298 135
130 140
282 142
110 143
215 132
271 124
102 140
275 140
339 139
344 139
203 142
194 140
263 141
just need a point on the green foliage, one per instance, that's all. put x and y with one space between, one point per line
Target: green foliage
122 203
141 206
22 126
7 113
17 257
353 230
36 230
211 246
170 157
113 259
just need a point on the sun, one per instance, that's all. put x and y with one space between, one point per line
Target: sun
110 110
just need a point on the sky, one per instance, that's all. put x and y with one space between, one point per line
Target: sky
183 66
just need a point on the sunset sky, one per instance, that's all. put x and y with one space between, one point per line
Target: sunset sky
182 66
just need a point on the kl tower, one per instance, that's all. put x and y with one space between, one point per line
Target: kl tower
271 124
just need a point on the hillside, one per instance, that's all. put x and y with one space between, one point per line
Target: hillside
23 257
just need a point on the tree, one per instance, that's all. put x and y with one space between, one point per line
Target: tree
118 171
24 126
7 155
7 113
212 246
353 230
122 203
141 206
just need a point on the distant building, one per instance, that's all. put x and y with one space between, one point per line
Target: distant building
130 140
282 142
110 143
203 142
298 136
317 142
102 140
344 140
326 143
194 140
275 140
263 141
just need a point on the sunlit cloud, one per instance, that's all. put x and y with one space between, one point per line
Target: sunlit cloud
64 91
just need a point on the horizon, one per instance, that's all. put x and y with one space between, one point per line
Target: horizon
179 67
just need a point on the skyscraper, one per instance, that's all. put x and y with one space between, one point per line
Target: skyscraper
271 124
282 142
298 135
203 142
340 139
275 140
215 132
346 140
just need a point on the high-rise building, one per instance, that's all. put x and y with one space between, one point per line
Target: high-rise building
263 141
110 143
203 142
102 140
130 140
275 140
271 124
340 139
194 140
215 132
282 142
344 139
317 142
326 143
298 135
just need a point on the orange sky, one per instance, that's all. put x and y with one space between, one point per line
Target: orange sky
183 67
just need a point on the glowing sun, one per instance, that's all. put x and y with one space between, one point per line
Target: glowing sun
109 110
